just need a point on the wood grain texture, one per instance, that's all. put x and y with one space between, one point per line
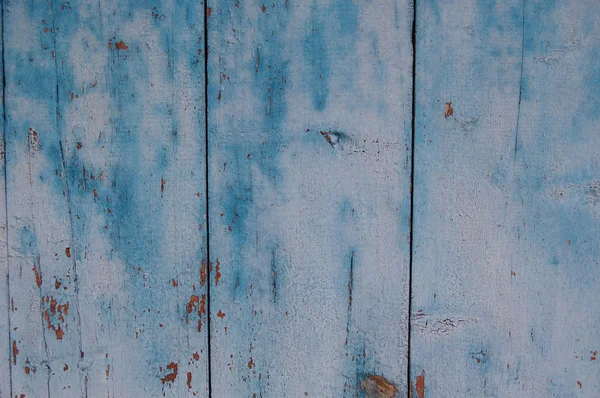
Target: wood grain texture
505 266
106 198
309 196
5 342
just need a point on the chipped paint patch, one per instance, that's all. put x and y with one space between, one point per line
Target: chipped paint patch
378 387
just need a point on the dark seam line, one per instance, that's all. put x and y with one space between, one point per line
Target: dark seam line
412 192
10 368
520 86
209 264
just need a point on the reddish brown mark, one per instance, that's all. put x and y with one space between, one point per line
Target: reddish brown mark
203 273
68 252
378 387
55 308
171 376
221 314
15 351
189 380
122 46
38 273
449 110
217 272
420 385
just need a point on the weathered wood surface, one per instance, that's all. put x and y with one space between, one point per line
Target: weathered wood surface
505 266
108 286
309 196
105 153
4 295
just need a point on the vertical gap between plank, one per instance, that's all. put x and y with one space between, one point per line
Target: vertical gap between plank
206 159
6 199
412 195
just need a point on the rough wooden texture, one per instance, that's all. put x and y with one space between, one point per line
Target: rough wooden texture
309 196
5 343
105 152
108 288
505 267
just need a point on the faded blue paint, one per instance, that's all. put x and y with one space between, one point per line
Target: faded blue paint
294 137
503 252
316 54
116 205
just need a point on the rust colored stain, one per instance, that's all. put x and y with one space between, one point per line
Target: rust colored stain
378 387
171 376
174 282
68 252
449 110
594 355
196 356
250 363
203 273
189 380
217 273
194 300
208 11
15 352
420 385
38 274
221 314
53 309
107 370
122 46
27 370
162 185
199 306
579 384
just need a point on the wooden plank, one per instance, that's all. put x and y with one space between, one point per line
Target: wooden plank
5 342
309 196
45 324
505 266
106 184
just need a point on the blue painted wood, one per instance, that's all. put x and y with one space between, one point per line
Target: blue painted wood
45 326
309 197
106 198
5 343
505 267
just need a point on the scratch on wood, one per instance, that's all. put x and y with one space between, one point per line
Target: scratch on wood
350 284
274 276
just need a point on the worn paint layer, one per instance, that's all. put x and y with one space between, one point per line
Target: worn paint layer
105 188
309 177
505 250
